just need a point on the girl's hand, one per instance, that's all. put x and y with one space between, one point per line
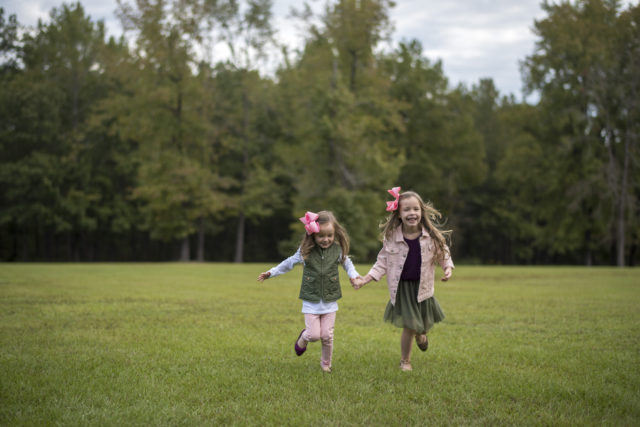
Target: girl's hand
357 282
447 274
361 281
263 276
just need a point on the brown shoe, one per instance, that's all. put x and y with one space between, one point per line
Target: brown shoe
405 365
423 343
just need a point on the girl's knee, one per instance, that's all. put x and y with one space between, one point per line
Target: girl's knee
313 336
327 338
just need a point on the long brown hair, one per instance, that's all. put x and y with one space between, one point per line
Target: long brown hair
429 220
339 235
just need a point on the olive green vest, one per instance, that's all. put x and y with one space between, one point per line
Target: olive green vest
320 279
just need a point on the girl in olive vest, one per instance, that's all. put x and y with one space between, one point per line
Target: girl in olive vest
324 247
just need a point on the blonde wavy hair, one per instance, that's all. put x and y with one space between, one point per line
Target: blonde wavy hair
339 235
429 220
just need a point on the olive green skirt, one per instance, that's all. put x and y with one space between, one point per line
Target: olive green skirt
411 314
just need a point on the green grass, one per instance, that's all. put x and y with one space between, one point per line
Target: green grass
205 344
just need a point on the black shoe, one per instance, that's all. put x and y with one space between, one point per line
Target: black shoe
422 345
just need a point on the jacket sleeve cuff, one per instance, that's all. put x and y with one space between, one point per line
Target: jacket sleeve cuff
448 263
375 274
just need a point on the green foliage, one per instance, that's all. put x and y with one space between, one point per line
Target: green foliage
340 122
50 174
579 64
126 148
8 42
160 106
191 344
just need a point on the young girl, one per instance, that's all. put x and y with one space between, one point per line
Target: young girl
412 244
325 245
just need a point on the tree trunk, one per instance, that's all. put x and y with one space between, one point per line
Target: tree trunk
354 68
75 90
239 255
185 252
240 238
588 255
24 252
620 239
335 157
622 196
200 239
618 186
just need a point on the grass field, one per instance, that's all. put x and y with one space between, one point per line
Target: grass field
205 344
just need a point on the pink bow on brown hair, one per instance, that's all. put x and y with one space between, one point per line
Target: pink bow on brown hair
310 222
393 205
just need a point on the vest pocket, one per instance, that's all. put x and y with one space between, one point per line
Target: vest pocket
308 283
308 289
332 289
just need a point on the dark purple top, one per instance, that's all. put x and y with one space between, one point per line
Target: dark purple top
411 269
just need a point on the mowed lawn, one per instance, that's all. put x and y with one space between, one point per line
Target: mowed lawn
205 344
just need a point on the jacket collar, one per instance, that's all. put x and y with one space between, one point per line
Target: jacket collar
398 237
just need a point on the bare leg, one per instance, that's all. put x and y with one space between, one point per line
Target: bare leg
406 343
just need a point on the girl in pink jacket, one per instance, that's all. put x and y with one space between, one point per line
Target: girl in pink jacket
412 245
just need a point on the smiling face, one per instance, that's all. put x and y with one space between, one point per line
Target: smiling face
410 212
324 237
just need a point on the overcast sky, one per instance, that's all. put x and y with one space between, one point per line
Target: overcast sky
474 38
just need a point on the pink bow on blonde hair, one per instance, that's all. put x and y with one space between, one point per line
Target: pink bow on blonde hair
393 205
310 222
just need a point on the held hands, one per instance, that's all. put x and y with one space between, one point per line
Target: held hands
357 282
447 274
264 276
360 281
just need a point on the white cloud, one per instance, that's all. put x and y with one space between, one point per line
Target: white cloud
473 38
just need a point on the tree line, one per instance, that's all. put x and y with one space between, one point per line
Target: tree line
144 147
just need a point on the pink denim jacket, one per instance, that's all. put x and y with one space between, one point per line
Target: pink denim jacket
391 260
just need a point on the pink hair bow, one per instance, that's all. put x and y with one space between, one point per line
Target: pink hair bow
310 223
393 205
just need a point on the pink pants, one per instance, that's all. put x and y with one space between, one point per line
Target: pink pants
320 327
